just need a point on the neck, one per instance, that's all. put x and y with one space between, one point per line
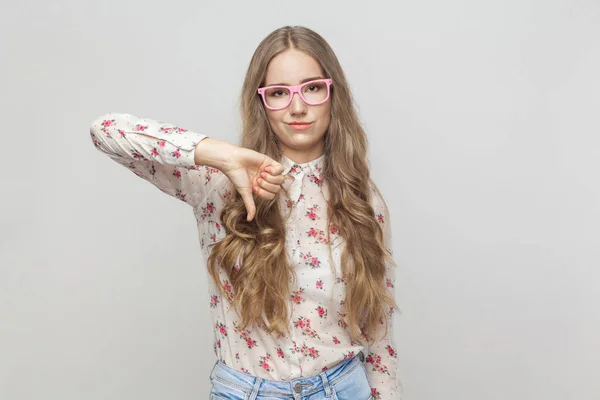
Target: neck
302 157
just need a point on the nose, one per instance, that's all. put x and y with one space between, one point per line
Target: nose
298 106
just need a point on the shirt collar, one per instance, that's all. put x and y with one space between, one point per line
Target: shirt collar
314 167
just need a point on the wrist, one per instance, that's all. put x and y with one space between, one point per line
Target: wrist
214 153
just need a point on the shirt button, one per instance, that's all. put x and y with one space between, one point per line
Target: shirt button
297 387
361 356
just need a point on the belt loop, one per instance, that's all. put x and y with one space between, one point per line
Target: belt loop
326 384
254 393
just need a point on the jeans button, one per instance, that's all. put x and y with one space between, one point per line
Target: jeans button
297 387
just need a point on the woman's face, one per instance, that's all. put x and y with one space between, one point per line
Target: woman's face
293 67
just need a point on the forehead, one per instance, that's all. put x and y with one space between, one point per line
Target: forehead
291 67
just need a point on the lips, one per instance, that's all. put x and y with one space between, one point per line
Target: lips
299 126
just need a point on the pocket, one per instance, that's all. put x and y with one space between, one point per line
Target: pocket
223 391
354 386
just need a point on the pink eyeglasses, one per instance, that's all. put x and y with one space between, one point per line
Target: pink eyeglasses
312 93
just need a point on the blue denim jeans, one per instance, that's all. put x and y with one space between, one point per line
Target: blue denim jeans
346 380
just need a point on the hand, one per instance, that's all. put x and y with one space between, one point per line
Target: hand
253 172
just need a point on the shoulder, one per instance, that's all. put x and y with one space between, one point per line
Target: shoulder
377 200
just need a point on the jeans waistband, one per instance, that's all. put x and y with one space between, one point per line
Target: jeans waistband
292 388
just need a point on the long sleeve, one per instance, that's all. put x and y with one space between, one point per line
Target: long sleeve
381 361
161 153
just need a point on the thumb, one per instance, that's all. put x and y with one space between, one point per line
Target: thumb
249 203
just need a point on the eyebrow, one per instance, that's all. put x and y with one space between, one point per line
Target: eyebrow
301 82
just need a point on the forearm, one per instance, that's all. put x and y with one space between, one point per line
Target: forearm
214 153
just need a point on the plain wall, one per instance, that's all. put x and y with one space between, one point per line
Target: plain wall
484 139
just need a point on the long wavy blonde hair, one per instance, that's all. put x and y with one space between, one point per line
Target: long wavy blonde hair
253 254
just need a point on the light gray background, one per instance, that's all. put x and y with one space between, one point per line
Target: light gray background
483 121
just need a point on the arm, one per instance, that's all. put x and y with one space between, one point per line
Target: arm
381 361
181 163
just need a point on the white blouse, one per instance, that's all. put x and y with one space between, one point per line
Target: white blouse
318 339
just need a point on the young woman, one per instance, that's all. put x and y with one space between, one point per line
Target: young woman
295 234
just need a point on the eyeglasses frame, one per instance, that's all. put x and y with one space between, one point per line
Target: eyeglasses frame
296 89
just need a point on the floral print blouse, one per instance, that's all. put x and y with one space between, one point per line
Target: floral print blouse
163 154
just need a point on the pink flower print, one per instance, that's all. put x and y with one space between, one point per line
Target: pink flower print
318 234
322 312
228 291
219 343
181 130
389 283
140 127
161 143
341 320
95 140
154 152
314 262
380 218
312 352
107 122
180 195
375 394
213 238
312 212
309 260
176 153
222 328
137 155
208 210
294 349
333 229
121 133
263 362
250 343
209 173
336 340
375 361
314 179
319 284
303 324
245 370
177 174
350 354
305 350
289 203
214 301
245 335
300 198
237 356
296 296
341 279
391 351
324 369
166 129
279 352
